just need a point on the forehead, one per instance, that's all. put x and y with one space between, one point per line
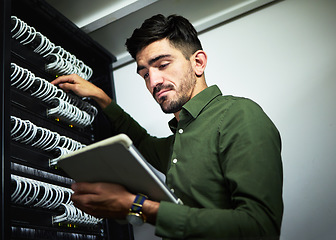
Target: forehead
155 49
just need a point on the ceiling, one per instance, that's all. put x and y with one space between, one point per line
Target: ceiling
111 22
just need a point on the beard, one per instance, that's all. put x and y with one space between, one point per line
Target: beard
182 93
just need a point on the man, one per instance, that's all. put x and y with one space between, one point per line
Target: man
223 160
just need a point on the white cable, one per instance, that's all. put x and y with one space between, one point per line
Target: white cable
70 113
16 192
63 151
17 125
67 63
74 215
27 191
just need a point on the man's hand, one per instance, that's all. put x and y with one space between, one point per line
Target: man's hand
108 200
103 200
82 88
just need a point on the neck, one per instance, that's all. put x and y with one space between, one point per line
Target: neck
177 115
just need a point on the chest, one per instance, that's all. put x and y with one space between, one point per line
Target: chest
195 173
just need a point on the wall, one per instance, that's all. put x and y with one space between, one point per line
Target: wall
284 58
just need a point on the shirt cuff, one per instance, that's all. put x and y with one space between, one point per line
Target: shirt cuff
170 221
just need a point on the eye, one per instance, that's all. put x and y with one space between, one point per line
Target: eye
146 75
163 66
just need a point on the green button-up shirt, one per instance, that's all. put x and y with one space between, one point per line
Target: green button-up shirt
223 161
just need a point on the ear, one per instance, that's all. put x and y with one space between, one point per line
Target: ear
199 60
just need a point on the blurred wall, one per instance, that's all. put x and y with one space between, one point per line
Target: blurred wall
284 58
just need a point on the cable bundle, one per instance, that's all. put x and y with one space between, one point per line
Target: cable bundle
71 109
25 80
26 132
69 113
61 61
35 193
60 151
74 215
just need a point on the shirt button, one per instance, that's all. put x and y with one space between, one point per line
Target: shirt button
174 160
180 130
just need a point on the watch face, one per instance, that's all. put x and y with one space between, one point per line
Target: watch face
135 219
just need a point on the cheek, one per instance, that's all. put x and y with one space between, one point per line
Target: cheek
149 87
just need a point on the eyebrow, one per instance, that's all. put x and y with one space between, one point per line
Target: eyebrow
152 61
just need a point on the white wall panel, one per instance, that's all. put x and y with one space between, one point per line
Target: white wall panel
283 57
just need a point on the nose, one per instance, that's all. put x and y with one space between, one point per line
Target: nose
155 78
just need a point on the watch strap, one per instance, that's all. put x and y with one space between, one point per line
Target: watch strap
138 202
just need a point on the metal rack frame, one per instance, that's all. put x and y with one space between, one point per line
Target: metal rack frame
60 30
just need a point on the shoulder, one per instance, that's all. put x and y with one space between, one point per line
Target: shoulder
241 110
232 104
236 99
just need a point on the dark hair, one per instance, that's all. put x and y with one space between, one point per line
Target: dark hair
177 29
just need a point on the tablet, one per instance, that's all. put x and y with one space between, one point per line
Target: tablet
116 160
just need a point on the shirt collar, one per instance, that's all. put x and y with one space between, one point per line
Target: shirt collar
195 105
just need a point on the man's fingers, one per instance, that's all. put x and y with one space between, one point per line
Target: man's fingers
69 87
83 188
73 78
98 188
61 79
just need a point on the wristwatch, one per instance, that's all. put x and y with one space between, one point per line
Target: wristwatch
135 215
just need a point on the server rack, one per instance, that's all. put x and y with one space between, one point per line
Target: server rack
34 199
